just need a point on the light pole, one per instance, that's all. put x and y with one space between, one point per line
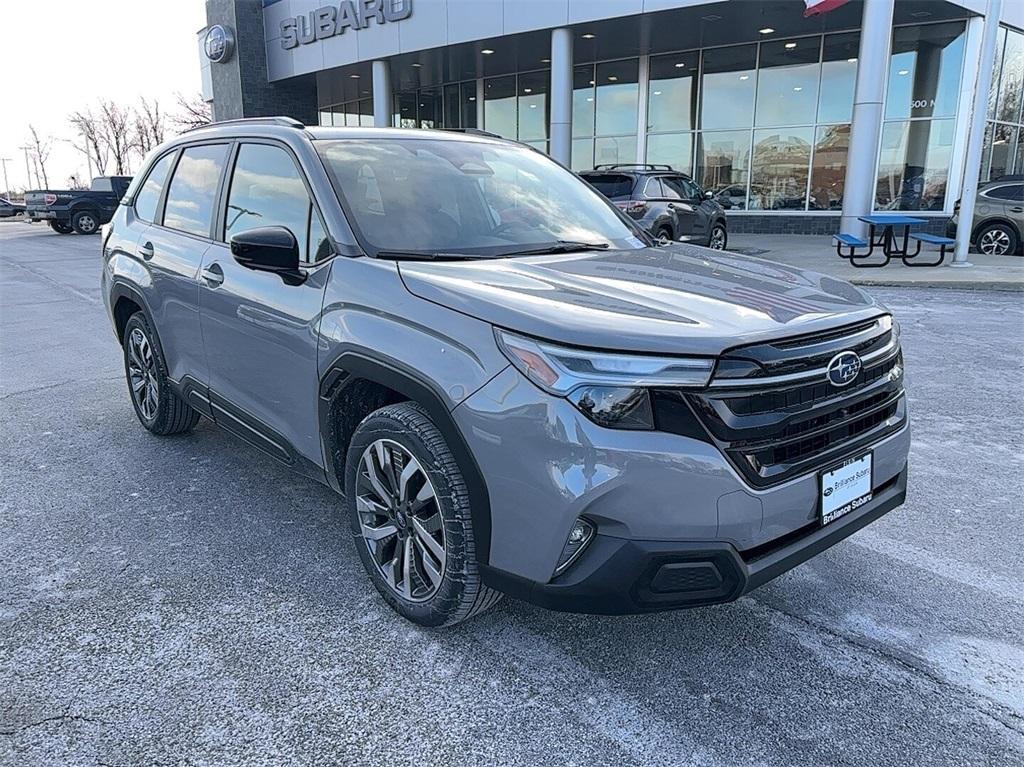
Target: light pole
28 169
7 186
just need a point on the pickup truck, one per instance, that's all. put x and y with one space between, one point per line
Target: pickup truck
80 210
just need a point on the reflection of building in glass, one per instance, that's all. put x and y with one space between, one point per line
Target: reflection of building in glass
1004 136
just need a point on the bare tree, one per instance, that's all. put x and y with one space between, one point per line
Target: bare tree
115 123
192 112
95 141
40 150
148 128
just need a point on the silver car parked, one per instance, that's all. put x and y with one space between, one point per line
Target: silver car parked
513 388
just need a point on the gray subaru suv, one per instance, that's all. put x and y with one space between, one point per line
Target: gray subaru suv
514 389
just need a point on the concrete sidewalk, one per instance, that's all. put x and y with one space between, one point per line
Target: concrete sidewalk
818 253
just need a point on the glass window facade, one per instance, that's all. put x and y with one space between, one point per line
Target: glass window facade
1003 153
606 98
762 126
920 107
448 106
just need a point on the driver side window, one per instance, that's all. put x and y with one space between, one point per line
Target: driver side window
267 190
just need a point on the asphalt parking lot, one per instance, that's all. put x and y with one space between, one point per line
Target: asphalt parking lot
189 601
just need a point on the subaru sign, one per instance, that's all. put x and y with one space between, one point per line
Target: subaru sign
219 43
331 20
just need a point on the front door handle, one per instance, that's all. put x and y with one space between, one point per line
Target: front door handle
146 251
213 275
1018 209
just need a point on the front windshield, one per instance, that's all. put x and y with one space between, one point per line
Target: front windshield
414 195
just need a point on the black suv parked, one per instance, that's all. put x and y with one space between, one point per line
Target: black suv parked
668 204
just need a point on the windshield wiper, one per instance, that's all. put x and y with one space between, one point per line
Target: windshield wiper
413 255
562 246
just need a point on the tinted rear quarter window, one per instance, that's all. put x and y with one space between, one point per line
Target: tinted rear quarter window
611 185
1011 192
149 195
192 196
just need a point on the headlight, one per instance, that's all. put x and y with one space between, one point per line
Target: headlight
609 388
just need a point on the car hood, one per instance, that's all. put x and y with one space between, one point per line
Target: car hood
676 299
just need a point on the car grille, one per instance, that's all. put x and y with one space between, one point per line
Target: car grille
773 412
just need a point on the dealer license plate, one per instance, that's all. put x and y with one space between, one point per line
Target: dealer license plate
845 488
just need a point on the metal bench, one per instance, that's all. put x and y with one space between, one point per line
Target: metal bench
931 239
852 242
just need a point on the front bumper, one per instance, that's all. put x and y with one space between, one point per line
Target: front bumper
617 576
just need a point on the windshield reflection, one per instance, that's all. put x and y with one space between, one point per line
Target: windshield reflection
471 197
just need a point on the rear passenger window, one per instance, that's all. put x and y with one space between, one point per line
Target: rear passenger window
192 196
149 195
267 190
1012 192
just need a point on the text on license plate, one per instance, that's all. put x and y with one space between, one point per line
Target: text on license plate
845 488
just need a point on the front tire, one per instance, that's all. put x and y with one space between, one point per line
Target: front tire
664 235
718 239
60 227
409 511
997 240
158 408
85 222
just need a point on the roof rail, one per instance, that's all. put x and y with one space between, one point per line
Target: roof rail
285 122
644 165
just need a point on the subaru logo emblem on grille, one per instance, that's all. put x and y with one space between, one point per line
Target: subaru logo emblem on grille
843 368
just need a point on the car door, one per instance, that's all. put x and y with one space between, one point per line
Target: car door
170 249
681 205
703 209
260 330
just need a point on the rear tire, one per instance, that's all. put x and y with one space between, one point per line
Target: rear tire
85 222
664 234
411 521
158 408
997 240
60 227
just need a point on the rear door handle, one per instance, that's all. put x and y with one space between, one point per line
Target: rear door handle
213 275
146 251
1018 209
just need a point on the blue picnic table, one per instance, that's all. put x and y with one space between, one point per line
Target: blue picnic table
887 237
891 233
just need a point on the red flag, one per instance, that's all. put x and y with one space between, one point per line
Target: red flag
814 7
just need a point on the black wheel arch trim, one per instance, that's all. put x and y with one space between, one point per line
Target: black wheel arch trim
353 365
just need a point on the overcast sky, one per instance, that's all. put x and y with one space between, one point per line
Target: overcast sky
80 53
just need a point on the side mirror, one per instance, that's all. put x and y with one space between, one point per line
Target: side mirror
709 195
269 249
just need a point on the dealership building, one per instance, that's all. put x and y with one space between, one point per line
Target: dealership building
783 116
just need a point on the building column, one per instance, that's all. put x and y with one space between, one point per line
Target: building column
561 95
382 96
976 137
868 111
641 123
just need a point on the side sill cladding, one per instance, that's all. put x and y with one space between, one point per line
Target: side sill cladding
353 367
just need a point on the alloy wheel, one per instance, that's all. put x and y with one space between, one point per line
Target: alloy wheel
142 374
87 223
717 239
994 242
400 520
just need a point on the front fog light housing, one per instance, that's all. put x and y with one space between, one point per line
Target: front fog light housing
580 535
615 407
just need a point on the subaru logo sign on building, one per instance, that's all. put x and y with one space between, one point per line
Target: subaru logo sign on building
219 43
843 368
332 20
